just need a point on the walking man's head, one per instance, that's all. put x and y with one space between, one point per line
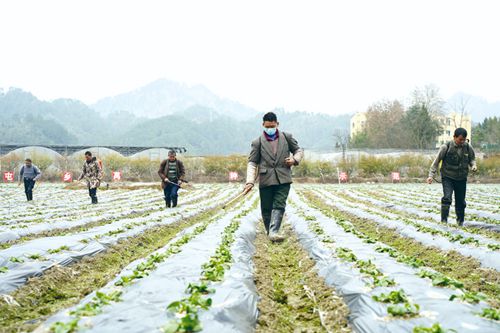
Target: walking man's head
28 162
171 155
270 123
88 156
460 136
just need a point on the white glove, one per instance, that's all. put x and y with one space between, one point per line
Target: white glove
474 168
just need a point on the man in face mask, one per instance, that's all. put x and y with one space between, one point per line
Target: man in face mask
457 155
272 155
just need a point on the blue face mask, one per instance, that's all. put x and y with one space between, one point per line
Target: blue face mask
270 131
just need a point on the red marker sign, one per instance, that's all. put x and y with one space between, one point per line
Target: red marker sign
233 176
343 177
396 177
67 177
8 176
116 175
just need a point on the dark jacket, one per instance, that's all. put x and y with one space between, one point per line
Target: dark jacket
162 172
455 161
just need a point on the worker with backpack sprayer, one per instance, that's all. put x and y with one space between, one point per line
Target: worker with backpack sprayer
172 174
271 158
456 156
93 175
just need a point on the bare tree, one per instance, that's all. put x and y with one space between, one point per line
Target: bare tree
341 137
461 107
429 98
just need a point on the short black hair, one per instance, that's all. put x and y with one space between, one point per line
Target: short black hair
460 131
88 153
270 116
28 160
172 152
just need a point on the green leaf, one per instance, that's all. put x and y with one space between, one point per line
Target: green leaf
491 313
435 328
69 327
394 297
405 310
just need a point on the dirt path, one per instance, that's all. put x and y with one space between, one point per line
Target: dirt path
293 297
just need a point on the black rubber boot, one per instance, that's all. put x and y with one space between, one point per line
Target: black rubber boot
174 202
445 211
275 225
460 217
267 221
168 203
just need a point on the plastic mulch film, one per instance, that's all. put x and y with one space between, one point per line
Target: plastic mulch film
484 241
436 203
234 304
14 230
436 217
487 258
367 315
144 302
19 272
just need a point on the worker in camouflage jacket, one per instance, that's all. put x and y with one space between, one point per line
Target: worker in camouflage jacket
456 157
92 174
271 157
172 174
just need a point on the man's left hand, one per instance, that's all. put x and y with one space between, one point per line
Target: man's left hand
474 168
290 161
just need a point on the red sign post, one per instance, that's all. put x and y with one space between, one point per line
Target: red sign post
396 177
116 175
67 177
343 178
233 176
8 176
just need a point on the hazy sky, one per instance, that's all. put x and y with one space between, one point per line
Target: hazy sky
324 56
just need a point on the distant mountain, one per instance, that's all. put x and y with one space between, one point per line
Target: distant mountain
163 97
219 135
478 107
203 130
25 119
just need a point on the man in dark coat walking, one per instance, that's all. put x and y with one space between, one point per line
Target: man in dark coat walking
456 156
172 174
271 157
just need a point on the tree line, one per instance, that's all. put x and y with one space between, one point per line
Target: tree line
390 125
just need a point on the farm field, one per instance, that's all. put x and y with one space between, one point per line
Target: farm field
357 258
